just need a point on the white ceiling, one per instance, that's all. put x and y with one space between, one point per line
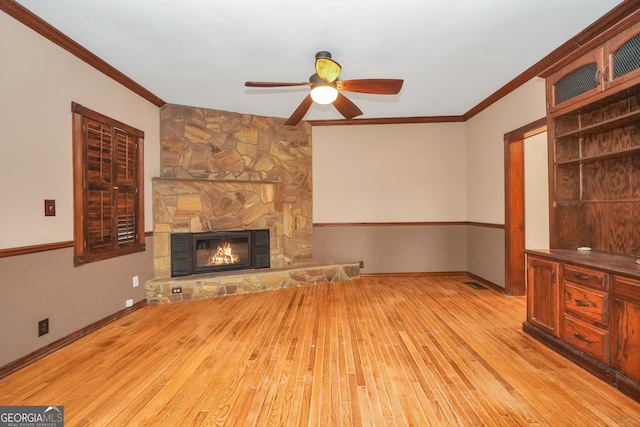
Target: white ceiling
451 54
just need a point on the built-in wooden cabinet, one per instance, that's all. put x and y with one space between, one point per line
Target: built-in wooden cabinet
542 294
609 68
625 324
583 294
596 322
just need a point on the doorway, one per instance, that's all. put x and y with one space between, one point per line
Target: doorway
515 205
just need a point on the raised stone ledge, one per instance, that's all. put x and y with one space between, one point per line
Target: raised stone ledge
206 286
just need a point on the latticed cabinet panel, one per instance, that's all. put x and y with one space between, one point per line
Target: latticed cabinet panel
581 79
623 58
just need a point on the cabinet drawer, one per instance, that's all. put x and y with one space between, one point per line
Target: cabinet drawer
586 338
586 302
585 276
626 287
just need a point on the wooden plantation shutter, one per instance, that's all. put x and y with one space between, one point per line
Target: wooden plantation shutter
108 197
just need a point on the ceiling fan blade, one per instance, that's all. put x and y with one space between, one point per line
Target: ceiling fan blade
347 108
274 84
300 111
327 69
377 86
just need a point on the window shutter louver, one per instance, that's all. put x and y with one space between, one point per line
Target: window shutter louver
126 184
98 217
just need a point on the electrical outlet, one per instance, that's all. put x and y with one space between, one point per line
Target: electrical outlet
43 327
176 290
128 303
361 264
136 282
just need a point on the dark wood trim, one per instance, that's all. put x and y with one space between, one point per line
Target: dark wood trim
25 250
482 281
387 121
62 342
514 204
416 274
404 224
617 20
527 131
26 17
485 224
621 14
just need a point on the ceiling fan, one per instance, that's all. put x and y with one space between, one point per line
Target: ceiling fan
325 88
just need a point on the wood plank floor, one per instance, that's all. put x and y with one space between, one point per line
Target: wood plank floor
377 351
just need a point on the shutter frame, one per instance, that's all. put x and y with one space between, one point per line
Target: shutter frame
108 187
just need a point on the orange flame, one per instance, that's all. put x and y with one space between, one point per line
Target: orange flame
224 255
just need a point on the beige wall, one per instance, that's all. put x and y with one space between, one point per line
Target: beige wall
536 192
419 172
485 148
485 174
38 82
389 173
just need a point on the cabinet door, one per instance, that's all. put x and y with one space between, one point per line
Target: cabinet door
625 327
542 294
575 82
622 56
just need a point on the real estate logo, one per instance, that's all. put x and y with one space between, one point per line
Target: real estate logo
31 416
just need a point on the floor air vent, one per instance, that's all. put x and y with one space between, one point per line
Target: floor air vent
475 285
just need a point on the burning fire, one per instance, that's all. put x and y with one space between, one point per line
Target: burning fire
224 255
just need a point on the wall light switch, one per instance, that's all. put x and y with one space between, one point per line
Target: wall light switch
49 208
136 282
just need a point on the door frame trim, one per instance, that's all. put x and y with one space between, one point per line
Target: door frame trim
514 205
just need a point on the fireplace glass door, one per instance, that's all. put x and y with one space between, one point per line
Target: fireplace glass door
222 251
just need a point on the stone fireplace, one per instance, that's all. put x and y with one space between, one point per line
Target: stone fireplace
223 172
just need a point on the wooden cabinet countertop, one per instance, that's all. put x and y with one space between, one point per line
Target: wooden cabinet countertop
618 264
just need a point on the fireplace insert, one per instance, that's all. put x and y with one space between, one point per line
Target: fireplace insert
214 251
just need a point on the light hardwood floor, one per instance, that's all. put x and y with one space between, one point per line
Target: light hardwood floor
397 351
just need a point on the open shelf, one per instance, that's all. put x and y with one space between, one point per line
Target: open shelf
606 125
634 151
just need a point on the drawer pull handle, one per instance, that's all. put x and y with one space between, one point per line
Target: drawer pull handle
581 276
582 337
581 303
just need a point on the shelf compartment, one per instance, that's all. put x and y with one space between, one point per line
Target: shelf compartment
632 118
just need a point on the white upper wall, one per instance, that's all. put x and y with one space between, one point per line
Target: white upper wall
38 82
485 148
389 173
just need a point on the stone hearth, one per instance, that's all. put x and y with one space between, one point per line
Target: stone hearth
199 287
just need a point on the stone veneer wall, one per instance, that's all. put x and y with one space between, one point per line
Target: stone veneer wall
228 171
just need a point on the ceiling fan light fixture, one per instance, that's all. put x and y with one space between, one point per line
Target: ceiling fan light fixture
324 94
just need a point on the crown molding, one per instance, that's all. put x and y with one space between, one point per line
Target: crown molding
26 17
